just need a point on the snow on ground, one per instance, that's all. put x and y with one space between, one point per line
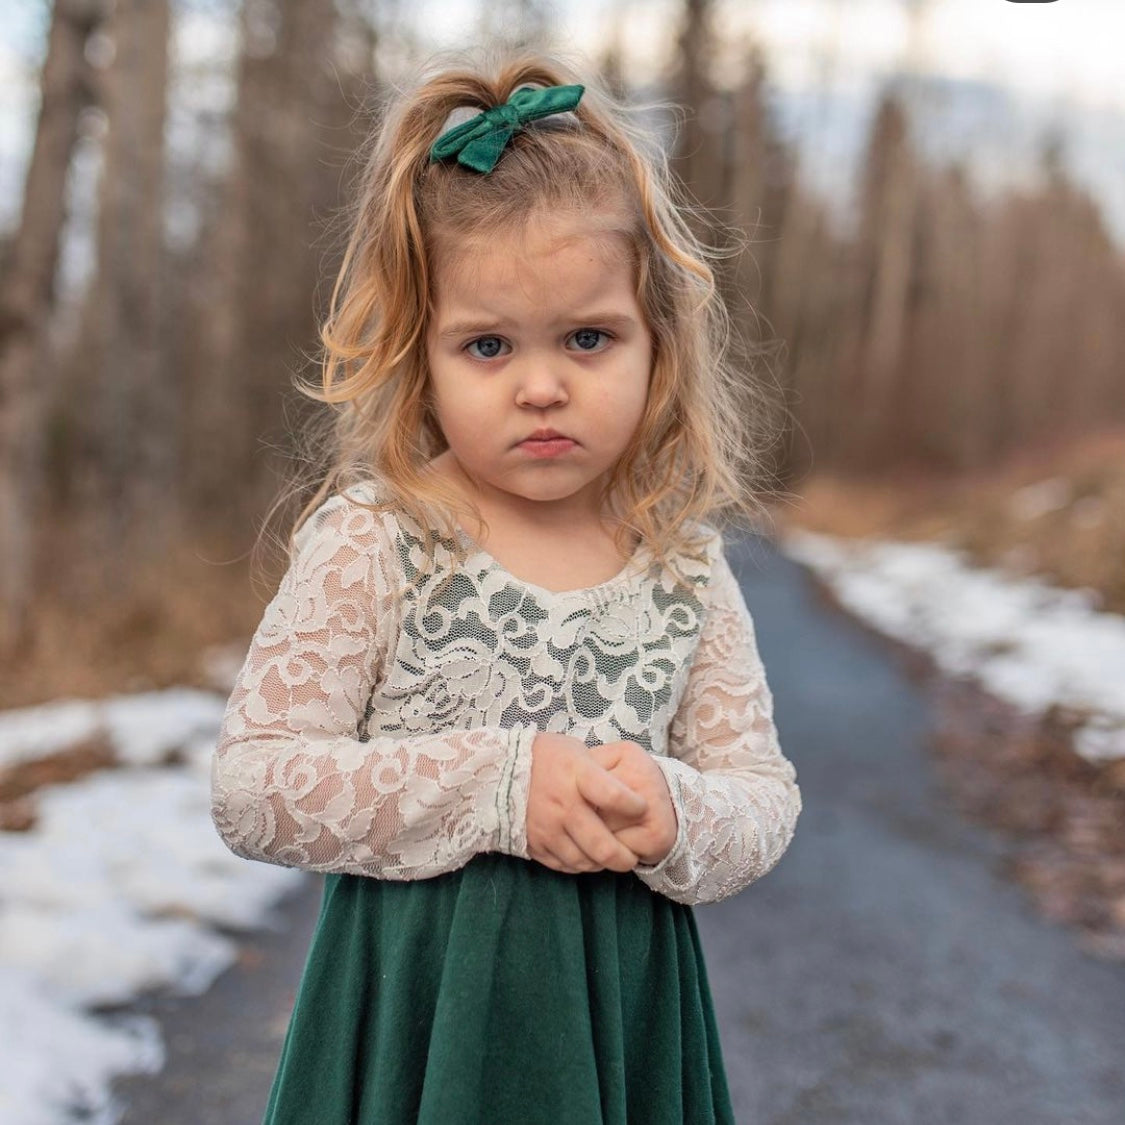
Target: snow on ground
122 886
1023 640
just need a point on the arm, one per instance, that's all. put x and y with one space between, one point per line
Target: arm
734 793
292 783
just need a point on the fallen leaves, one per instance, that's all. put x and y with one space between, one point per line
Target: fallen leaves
1066 815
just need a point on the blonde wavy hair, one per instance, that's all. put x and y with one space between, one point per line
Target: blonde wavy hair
703 429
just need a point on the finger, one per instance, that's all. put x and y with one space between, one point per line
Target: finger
551 859
567 849
633 837
574 857
617 823
606 791
624 799
606 755
597 842
617 751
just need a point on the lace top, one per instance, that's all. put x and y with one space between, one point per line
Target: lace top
383 727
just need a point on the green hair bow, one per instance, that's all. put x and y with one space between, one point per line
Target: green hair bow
478 143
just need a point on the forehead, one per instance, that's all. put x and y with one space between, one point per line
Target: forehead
566 258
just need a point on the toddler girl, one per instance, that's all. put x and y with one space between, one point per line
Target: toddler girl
508 696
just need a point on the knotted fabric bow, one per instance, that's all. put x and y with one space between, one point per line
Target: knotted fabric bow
478 143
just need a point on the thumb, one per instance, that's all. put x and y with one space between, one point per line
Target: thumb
601 788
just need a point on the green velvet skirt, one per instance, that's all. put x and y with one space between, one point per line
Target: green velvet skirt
503 992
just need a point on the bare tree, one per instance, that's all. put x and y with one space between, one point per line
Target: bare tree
271 245
699 157
129 479
889 192
26 300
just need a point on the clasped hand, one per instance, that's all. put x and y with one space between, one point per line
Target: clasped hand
591 808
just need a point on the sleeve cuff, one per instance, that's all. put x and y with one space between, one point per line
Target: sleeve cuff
671 775
512 792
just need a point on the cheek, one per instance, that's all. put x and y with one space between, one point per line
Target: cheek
441 389
620 409
640 382
460 415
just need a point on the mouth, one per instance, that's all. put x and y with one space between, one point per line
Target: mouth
545 433
547 447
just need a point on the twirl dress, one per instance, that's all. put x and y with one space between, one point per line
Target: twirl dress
380 732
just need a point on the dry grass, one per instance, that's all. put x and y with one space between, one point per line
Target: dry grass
1058 512
152 634
1064 815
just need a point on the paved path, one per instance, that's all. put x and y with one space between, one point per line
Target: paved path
223 1047
883 973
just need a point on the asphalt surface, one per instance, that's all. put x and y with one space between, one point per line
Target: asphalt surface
223 1047
884 972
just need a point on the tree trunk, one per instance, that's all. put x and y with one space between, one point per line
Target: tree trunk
257 312
131 481
26 301
700 156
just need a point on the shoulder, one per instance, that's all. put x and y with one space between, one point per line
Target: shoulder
685 571
704 548
345 550
715 578
714 545
346 518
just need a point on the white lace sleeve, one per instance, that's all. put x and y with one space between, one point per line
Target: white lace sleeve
735 794
293 782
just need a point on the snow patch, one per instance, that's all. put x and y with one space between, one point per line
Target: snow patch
122 886
1023 640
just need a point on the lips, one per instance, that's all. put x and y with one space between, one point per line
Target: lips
546 447
547 435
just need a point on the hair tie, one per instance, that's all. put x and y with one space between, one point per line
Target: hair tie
478 142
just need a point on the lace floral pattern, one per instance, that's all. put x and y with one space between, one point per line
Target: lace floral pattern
382 721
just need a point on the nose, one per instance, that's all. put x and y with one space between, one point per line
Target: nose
539 384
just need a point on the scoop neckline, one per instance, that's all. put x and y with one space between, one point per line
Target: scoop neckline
630 574
621 579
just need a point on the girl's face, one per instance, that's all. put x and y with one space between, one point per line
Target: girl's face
538 329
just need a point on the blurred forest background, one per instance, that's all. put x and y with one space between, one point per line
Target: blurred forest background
935 361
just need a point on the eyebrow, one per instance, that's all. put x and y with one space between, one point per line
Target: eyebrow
480 327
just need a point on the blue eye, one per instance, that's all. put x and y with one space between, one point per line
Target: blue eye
489 347
588 339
